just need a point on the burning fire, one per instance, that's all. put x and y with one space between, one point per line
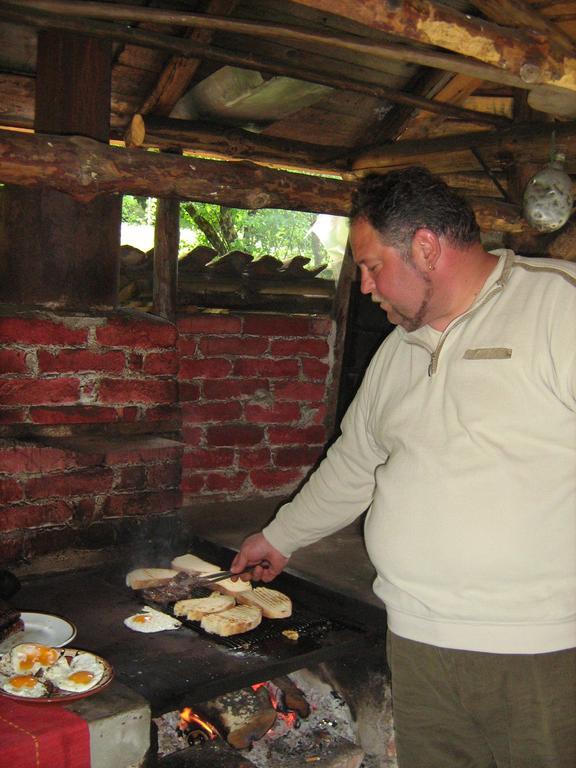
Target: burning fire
289 716
196 728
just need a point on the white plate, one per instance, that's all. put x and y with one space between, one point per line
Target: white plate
44 628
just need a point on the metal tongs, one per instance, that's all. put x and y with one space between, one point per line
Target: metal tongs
213 578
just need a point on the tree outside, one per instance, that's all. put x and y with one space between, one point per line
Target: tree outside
268 232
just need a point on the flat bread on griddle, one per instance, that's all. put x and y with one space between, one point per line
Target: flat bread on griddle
234 621
273 604
196 608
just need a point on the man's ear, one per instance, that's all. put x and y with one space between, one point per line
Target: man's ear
426 249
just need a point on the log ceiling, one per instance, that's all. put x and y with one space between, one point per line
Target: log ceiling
475 90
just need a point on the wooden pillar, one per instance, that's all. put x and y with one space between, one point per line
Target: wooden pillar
166 242
56 251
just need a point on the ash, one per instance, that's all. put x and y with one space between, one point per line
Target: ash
328 723
169 740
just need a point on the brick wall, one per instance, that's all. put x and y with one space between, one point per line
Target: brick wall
111 418
253 392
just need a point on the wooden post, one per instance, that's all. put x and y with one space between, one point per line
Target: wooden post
54 250
166 241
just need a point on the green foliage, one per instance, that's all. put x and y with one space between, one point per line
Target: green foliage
133 210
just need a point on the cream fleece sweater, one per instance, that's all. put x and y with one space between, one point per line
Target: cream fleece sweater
462 444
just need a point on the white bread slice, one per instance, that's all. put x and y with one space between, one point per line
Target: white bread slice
193 565
197 567
273 604
145 578
234 621
195 608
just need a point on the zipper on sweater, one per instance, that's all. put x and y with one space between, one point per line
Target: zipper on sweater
433 366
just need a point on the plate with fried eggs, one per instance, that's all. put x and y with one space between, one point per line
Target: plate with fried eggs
36 672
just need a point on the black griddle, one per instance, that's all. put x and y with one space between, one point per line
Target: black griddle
182 667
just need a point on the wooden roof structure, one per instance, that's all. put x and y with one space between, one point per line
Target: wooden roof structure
300 98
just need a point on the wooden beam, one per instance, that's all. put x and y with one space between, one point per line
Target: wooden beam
531 138
232 143
187 48
528 56
178 73
520 14
85 169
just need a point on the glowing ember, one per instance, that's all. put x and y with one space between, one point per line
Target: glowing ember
196 728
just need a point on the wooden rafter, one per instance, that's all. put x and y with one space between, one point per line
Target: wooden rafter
179 72
530 57
191 48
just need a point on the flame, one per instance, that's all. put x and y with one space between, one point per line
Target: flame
289 716
188 717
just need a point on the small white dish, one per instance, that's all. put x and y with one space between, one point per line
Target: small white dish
46 629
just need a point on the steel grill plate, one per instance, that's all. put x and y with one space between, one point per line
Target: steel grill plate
307 624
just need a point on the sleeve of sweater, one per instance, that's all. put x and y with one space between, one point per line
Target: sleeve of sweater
342 486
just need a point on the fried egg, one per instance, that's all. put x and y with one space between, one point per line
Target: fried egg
151 620
28 658
82 673
27 686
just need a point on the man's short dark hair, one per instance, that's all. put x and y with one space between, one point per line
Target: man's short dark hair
398 203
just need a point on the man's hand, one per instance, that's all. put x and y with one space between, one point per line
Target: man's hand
257 551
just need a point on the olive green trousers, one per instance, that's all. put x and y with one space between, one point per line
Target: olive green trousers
465 709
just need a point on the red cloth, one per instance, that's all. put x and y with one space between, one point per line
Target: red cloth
42 736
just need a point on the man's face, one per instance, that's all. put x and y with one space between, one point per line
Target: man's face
401 287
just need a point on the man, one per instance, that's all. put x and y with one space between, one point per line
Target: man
461 441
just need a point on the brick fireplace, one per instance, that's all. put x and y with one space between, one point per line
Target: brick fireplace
116 416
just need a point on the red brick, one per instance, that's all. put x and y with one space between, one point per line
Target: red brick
34 459
187 347
192 435
161 363
74 414
297 435
164 475
149 450
272 369
13 549
79 361
85 511
302 456
142 503
137 333
227 388
12 415
74 483
233 345
39 391
209 323
10 491
298 347
135 391
274 479
192 484
188 392
203 413
225 482
276 325
12 361
215 368
163 413
131 478
321 326
136 362
279 413
315 369
24 516
129 414
40 331
315 414
208 458
254 459
301 391
234 435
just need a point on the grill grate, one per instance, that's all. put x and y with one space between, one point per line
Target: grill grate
307 624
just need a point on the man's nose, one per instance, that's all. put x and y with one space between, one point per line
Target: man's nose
366 282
